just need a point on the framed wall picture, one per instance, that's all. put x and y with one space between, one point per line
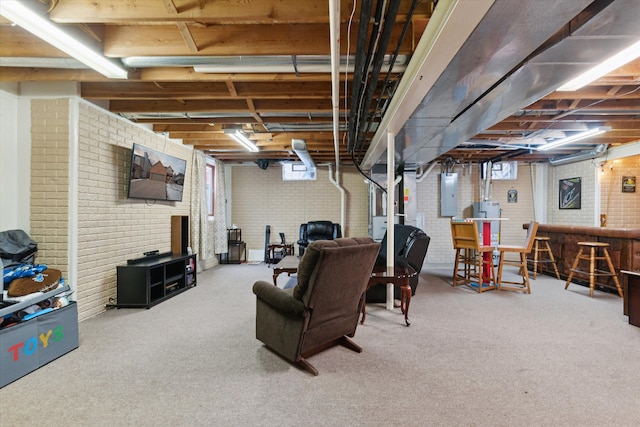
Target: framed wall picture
570 191
628 184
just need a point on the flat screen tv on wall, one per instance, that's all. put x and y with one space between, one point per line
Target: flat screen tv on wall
155 175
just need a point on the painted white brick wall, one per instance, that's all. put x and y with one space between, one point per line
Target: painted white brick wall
441 253
261 198
586 215
622 209
111 227
49 224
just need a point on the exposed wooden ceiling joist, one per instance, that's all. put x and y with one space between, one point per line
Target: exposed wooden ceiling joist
277 106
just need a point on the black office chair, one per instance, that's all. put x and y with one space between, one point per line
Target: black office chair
274 253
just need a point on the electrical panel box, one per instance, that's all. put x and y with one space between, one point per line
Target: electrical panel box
448 194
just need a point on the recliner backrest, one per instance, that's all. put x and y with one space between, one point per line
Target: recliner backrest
416 249
403 236
410 249
332 277
320 230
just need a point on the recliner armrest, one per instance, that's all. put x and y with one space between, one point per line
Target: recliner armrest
303 233
279 299
337 231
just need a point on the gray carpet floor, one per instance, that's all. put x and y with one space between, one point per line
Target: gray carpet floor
552 358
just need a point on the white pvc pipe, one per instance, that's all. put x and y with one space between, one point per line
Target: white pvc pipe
487 182
423 174
334 30
391 167
343 197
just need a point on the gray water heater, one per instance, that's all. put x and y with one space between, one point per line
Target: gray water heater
487 209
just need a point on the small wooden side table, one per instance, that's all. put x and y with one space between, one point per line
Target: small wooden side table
288 264
398 276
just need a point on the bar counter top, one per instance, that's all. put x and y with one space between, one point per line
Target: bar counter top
627 233
624 250
624 246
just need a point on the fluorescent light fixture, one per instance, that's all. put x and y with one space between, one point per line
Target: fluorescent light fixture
242 139
574 138
269 64
616 61
49 32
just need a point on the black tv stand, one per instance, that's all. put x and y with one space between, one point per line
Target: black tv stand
148 281
149 256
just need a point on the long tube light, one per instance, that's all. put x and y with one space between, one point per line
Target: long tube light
49 32
574 138
616 61
266 64
241 139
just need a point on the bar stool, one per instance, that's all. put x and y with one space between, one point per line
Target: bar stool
592 258
540 247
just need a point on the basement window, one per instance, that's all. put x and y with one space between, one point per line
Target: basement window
297 172
504 170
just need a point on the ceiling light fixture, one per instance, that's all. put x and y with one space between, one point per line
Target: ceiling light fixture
242 139
616 61
264 64
49 32
574 138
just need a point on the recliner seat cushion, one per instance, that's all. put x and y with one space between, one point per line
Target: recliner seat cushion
310 259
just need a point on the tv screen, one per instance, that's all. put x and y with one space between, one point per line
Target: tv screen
155 175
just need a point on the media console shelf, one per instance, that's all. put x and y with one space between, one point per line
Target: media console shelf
148 281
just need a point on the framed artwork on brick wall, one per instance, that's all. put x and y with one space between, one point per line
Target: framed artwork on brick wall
570 192
628 184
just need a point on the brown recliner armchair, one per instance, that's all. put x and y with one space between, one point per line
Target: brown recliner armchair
322 310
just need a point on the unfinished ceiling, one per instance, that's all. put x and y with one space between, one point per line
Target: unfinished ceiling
198 67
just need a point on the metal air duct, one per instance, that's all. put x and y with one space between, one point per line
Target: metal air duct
300 148
597 151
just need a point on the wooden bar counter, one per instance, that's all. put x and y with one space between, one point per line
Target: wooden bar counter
624 247
632 297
